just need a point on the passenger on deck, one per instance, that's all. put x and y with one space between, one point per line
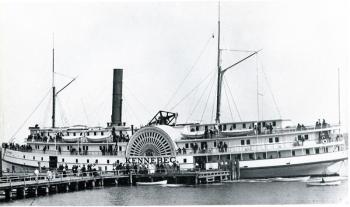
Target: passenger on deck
36 173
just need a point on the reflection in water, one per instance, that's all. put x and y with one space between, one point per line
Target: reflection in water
219 194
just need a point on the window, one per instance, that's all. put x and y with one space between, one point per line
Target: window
87 160
277 139
197 128
96 161
33 157
76 160
293 153
105 168
264 124
62 159
42 158
274 123
95 133
107 161
307 151
224 127
185 160
248 141
87 148
234 126
242 142
270 140
74 134
317 150
306 136
244 125
186 145
83 147
118 161
24 156
101 133
120 148
48 147
214 144
67 133
67 147
88 133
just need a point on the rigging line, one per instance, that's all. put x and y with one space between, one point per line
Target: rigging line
36 108
270 89
200 83
45 117
234 102
84 109
133 112
206 103
138 100
189 72
61 74
238 50
228 101
212 110
200 98
64 118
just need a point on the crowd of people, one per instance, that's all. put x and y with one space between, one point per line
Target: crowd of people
17 147
321 125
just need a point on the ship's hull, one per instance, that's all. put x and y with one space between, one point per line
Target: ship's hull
307 169
312 165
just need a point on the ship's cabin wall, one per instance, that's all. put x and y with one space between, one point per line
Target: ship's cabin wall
278 123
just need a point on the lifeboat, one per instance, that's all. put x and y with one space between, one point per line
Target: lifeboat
237 132
71 139
98 138
194 134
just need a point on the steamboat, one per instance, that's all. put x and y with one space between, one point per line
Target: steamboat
256 148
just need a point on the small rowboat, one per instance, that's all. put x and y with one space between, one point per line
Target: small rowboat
294 179
332 183
162 182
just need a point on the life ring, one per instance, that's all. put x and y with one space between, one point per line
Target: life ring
324 141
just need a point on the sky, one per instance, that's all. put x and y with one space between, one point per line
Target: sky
168 51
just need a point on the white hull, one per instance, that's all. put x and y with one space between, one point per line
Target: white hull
324 184
163 182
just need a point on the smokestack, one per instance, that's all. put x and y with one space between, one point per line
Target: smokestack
117 97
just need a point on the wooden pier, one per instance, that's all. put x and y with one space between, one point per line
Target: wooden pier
24 185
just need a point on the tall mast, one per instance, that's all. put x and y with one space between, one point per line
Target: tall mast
218 94
339 96
53 83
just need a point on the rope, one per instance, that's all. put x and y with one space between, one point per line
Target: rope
273 97
249 51
206 103
195 107
212 110
229 105
234 103
200 83
189 72
143 105
42 100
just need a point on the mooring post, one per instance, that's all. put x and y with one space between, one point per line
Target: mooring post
130 178
47 190
85 185
8 194
36 191
76 186
67 187
116 181
93 183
